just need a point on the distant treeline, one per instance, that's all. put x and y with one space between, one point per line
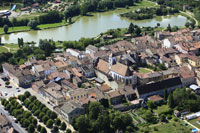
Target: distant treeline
149 13
96 5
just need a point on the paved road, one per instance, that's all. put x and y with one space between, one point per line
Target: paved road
15 125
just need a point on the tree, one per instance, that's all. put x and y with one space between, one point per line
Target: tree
5 28
63 126
84 9
7 83
149 117
82 124
169 28
53 115
31 128
187 24
27 94
41 115
162 118
58 122
39 128
165 95
68 130
26 123
45 119
94 109
55 129
33 24
37 112
131 28
49 123
20 42
151 105
43 130
34 121
171 101
138 31
158 24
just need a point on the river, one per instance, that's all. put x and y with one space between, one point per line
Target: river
91 26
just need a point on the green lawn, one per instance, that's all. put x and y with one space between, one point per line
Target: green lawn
171 127
193 122
15 29
162 109
144 70
146 3
13 47
2 49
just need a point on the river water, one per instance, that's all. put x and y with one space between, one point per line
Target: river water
91 26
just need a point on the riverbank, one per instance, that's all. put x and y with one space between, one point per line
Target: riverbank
144 3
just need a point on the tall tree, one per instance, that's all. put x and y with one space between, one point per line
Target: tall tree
171 101
5 28
165 95
131 28
169 28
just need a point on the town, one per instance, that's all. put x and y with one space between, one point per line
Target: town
135 73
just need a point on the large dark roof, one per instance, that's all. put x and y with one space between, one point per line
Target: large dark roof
160 85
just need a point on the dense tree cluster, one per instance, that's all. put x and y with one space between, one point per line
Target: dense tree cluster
149 13
98 119
81 44
184 99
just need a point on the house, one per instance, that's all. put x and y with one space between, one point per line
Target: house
61 66
157 88
195 88
104 88
77 94
53 94
88 71
91 49
71 110
115 97
36 86
181 113
68 85
187 76
74 52
121 72
39 71
22 78
144 78
194 60
156 99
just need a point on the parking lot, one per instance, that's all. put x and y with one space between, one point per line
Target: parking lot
8 92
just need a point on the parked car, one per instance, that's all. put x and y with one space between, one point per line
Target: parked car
8 86
18 90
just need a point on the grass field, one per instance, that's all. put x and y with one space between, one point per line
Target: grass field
162 109
15 29
193 122
144 70
171 127
2 49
